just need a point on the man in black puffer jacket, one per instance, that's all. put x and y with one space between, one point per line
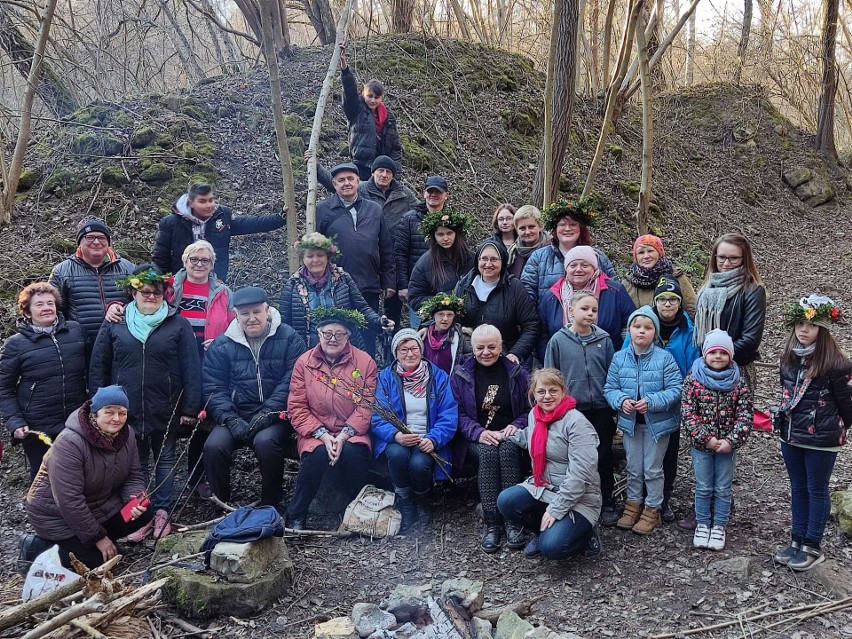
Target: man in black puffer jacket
86 280
246 379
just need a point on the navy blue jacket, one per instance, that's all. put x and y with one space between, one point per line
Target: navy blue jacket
364 145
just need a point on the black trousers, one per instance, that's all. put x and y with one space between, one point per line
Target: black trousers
116 528
393 309
670 465
268 446
368 333
194 452
603 420
349 473
34 450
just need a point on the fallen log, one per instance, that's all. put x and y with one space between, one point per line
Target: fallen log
520 608
117 607
92 604
184 625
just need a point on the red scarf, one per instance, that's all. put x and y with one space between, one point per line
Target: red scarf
538 443
381 118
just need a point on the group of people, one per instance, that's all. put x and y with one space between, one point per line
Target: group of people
528 341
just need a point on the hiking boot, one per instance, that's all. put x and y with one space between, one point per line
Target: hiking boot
688 523
298 524
424 509
408 509
609 515
631 515
717 538
648 522
162 525
702 536
666 512
594 546
806 558
490 542
516 537
142 534
203 490
31 546
783 557
532 549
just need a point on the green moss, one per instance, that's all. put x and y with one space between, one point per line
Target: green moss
206 149
306 108
156 173
785 143
615 151
94 144
416 156
292 123
122 118
193 112
630 188
114 176
187 150
142 137
61 181
133 250
296 145
29 176
164 140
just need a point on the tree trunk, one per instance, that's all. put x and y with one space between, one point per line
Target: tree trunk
319 13
690 51
647 133
742 47
402 16
182 46
828 86
607 43
51 90
269 16
564 78
280 34
13 176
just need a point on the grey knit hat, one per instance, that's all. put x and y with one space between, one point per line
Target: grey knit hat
405 334
718 339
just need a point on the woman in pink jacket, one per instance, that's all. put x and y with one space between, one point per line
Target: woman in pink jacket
326 411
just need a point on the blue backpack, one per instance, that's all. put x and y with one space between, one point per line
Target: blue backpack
244 525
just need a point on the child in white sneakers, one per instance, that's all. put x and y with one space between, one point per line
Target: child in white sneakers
716 411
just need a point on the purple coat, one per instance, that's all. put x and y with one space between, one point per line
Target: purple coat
463 383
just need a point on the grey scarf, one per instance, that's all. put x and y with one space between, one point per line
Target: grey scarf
45 330
712 298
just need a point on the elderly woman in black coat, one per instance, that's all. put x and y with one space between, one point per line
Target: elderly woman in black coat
42 372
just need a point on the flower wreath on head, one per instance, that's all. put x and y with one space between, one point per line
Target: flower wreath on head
442 302
814 309
145 277
455 220
584 211
350 318
320 242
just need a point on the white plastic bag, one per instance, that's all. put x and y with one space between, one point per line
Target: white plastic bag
47 574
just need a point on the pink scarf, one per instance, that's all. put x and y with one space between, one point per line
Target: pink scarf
538 443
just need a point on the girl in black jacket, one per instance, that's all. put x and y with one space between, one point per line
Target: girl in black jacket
815 413
42 372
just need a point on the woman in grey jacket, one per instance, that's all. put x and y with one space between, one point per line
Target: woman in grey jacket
561 502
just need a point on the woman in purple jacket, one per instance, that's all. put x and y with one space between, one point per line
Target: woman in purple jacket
491 391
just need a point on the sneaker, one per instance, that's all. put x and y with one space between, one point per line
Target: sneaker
594 546
783 557
717 538
162 524
666 512
532 549
203 490
516 537
806 558
701 538
140 535
688 523
609 515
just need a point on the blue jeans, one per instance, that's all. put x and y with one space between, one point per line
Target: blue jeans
645 466
566 537
162 449
413 318
714 476
410 469
809 471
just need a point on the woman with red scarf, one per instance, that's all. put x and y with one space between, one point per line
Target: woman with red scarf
560 504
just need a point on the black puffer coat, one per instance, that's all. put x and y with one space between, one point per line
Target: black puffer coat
238 385
408 244
508 307
364 145
420 286
42 377
87 290
823 414
743 318
162 377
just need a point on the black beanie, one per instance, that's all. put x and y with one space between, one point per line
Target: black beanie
668 284
92 224
384 162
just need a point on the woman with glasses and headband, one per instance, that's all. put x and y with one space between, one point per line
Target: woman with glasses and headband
419 394
494 296
332 426
319 282
650 263
152 353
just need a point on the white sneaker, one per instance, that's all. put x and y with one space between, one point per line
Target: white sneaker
702 536
717 538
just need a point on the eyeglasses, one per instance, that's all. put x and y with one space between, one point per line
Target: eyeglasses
490 260
731 259
91 239
406 350
339 335
543 392
200 261
668 301
150 294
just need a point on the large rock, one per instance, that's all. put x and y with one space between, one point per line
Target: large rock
467 591
511 626
246 563
797 176
408 603
481 628
369 618
338 628
816 191
834 577
841 507
737 567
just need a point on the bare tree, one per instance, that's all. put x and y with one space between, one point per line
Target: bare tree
690 51
828 88
642 213
280 34
402 15
319 13
742 47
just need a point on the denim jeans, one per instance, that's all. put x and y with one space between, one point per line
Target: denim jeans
714 476
413 318
162 449
566 537
809 471
645 466
410 469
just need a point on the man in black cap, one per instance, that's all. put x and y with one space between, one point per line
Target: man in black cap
246 380
409 243
365 242
86 280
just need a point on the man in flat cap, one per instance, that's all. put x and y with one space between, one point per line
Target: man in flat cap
246 380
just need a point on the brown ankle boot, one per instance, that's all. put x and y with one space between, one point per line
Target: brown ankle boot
649 521
632 512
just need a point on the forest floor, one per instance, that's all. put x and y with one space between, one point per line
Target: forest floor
473 115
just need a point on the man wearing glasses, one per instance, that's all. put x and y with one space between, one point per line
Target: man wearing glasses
86 279
246 380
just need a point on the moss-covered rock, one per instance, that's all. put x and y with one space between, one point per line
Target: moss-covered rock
164 140
186 150
416 155
29 176
61 181
292 123
114 176
615 151
157 173
193 111
630 188
95 144
142 137
296 145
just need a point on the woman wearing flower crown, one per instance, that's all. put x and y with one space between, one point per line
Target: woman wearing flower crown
320 282
152 353
812 421
444 342
446 260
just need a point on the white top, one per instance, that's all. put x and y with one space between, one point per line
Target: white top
415 412
483 289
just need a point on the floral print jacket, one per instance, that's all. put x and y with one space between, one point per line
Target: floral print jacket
706 413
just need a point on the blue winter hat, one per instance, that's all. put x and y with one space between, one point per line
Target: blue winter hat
109 396
645 311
